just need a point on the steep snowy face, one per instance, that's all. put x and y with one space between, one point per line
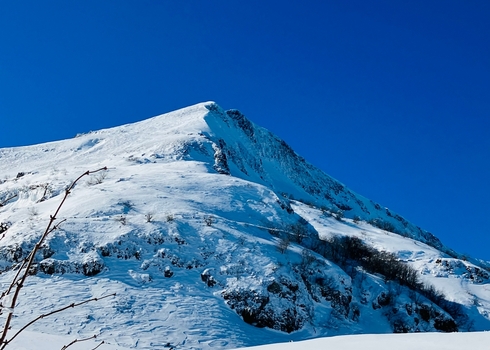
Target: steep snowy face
212 231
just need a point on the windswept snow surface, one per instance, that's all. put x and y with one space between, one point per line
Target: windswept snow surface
185 226
419 341
42 341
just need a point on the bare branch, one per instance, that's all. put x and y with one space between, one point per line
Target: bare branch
15 279
18 283
72 305
77 341
103 342
8 199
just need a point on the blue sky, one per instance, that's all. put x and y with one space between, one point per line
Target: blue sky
391 98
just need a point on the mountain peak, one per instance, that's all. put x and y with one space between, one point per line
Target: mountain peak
227 142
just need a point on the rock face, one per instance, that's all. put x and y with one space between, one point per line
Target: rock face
204 216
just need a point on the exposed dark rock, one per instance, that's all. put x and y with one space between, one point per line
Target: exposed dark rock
274 287
242 122
384 299
220 160
445 325
89 267
207 278
13 253
168 272
256 310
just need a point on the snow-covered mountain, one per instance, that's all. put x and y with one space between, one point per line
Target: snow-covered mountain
213 232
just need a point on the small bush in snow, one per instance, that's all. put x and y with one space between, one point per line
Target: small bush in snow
97 179
209 220
346 250
122 220
47 191
149 217
384 225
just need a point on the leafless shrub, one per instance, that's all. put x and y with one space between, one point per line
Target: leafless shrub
382 224
149 217
209 220
97 179
47 190
121 219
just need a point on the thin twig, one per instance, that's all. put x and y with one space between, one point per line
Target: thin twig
6 201
46 188
103 342
78 341
19 283
54 228
72 305
14 280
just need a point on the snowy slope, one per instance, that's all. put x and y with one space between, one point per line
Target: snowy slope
419 341
422 341
189 228
42 341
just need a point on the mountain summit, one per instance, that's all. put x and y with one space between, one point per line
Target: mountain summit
213 232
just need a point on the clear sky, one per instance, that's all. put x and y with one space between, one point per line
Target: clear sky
390 97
